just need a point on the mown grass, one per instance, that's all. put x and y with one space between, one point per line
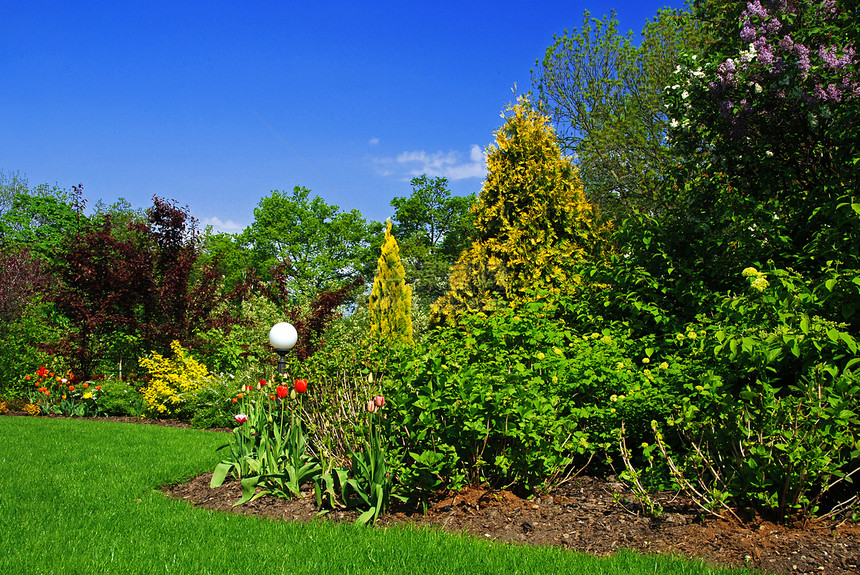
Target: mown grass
82 497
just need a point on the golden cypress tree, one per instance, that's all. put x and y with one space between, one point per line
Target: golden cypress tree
390 303
533 224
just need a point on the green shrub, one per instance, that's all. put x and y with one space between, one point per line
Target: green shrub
517 397
771 426
119 397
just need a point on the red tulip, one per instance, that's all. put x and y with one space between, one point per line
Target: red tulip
283 391
262 382
379 401
301 385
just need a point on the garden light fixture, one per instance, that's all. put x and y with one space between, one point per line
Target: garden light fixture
283 337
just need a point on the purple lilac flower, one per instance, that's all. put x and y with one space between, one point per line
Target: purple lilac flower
827 8
756 9
829 56
773 26
786 43
765 54
803 64
748 33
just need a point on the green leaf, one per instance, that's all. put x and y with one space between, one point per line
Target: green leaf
365 517
220 474
249 485
804 324
849 341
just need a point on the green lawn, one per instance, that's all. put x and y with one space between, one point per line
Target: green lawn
81 497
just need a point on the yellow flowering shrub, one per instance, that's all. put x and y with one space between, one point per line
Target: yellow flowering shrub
31 409
173 380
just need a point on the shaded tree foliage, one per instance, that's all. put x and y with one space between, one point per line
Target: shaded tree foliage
766 119
606 99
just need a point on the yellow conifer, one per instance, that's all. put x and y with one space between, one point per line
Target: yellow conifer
533 223
390 303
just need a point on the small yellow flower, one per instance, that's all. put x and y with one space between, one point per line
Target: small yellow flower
557 351
760 284
619 365
87 395
646 360
540 355
692 335
750 272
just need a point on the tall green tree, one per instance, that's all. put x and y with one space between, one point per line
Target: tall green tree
432 229
319 245
42 219
390 303
533 224
605 96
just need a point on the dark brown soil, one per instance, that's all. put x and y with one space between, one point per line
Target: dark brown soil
587 514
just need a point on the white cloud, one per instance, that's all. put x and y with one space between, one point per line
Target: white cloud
220 226
373 142
449 164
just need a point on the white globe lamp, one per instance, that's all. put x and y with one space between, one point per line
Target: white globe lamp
283 337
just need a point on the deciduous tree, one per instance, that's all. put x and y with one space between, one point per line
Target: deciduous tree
321 246
605 96
432 229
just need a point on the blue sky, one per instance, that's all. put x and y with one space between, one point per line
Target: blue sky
215 104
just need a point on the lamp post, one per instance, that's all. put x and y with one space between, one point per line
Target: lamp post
283 337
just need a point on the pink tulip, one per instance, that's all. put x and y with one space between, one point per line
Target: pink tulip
371 406
241 418
379 401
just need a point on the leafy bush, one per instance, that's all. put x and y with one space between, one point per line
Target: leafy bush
771 426
119 397
518 397
173 382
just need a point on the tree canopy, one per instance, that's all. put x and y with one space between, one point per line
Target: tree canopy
605 96
432 229
319 246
